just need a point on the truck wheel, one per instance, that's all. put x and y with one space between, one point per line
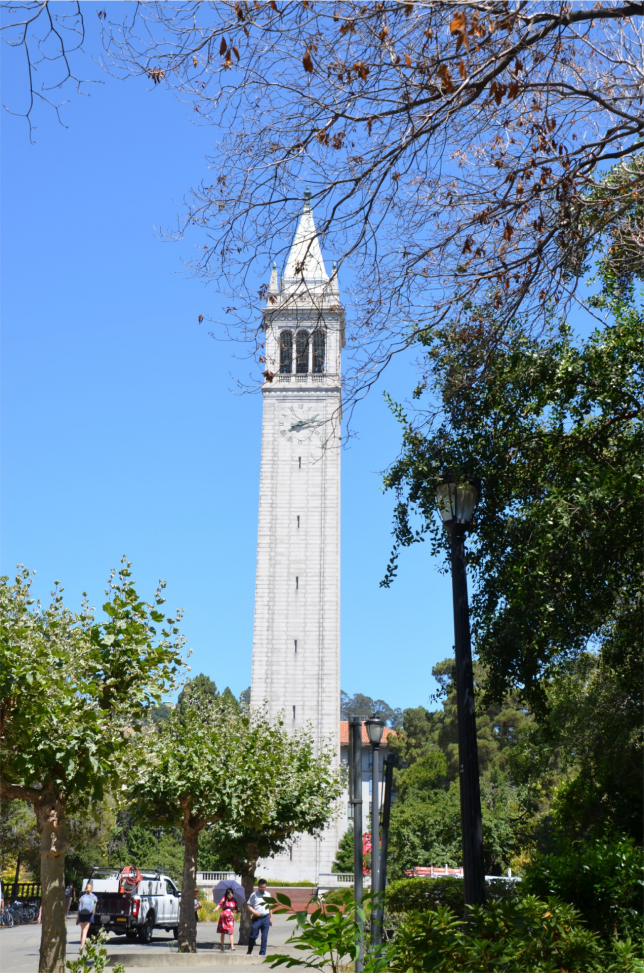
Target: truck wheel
145 932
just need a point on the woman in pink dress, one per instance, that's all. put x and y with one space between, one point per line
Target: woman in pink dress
226 922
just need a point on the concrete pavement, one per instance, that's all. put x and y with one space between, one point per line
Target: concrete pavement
19 950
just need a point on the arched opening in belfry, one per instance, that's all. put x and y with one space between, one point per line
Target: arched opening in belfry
302 352
286 352
319 351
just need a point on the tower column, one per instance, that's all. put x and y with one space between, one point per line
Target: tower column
296 641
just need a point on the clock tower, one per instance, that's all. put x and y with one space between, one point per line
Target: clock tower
296 642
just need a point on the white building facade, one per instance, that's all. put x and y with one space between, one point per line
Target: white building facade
296 641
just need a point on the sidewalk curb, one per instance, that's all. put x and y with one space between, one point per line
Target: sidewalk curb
208 957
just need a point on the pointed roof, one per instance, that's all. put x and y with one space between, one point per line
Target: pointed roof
305 264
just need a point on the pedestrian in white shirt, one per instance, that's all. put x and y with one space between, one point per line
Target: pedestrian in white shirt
262 918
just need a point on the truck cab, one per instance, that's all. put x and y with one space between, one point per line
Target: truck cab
152 904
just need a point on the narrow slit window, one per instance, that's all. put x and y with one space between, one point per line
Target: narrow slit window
319 351
302 352
299 462
293 712
286 352
297 582
298 520
295 644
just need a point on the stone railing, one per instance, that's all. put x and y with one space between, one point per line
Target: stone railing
340 880
207 880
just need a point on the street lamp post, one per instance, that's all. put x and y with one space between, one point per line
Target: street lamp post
391 761
355 798
375 729
456 502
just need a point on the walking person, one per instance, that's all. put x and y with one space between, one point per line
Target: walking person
262 918
226 924
70 896
86 910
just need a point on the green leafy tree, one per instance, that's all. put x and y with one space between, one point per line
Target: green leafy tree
344 856
18 837
146 847
73 693
364 706
426 821
217 764
581 762
552 429
300 799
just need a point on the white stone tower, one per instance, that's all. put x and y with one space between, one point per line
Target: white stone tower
296 643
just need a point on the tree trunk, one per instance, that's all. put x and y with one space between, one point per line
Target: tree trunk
248 883
187 920
52 827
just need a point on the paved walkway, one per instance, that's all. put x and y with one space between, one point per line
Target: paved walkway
19 949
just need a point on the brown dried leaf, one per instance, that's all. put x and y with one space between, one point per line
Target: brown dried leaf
223 46
362 69
308 63
195 62
407 60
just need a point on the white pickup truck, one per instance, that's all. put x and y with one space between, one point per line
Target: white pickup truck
153 904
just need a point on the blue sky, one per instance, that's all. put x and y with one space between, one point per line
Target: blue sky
121 434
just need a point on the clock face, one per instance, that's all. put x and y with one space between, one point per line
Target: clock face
298 424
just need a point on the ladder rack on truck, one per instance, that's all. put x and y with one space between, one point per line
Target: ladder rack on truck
152 903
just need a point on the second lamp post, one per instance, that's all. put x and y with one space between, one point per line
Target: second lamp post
375 729
456 502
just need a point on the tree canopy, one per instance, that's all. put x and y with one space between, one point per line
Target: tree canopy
551 429
216 763
455 150
364 706
73 691
426 816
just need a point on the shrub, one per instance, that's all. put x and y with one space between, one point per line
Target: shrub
602 879
525 936
427 894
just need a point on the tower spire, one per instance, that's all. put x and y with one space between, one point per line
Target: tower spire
304 264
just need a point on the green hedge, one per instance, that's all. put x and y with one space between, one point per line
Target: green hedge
426 894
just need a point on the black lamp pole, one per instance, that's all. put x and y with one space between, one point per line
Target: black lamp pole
355 797
457 503
391 761
375 729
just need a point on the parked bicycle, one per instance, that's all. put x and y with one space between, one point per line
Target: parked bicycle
6 919
16 911
24 911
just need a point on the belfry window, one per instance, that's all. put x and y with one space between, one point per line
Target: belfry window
319 350
302 352
286 352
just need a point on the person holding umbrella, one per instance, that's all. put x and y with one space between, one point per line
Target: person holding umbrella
226 924
228 896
